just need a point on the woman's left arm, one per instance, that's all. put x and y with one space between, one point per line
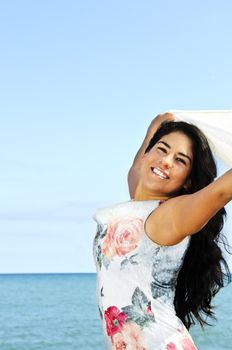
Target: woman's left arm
188 214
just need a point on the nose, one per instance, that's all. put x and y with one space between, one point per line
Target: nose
167 161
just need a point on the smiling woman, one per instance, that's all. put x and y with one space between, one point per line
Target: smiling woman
165 167
160 265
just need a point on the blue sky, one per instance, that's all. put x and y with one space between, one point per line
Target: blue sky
80 83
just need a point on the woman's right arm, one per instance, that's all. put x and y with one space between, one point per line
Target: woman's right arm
133 175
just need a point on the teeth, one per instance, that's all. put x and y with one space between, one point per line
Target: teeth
159 173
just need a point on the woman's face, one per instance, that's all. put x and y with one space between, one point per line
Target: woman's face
166 167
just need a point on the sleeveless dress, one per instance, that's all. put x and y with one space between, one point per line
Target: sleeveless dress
136 281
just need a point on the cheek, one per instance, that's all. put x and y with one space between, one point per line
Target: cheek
183 174
146 160
144 166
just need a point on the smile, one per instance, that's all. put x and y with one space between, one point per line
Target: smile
161 174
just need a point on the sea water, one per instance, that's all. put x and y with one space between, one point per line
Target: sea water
58 312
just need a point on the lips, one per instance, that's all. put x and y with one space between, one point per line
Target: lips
160 173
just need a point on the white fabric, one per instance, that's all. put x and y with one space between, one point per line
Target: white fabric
136 281
216 125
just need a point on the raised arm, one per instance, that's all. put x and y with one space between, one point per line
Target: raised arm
133 175
185 215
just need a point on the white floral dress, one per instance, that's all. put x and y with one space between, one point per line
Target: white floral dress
136 281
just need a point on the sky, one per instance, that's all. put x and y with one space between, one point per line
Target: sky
80 83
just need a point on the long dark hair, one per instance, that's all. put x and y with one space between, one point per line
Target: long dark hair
201 275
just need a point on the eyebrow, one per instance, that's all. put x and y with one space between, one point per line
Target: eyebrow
180 153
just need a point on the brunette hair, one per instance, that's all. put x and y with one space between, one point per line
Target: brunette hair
201 275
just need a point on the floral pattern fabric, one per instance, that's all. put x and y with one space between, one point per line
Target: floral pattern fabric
136 281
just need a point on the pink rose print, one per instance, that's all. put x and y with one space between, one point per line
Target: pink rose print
114 320
118 342
187 344
171 346
149 311
130 338
122 237
186 341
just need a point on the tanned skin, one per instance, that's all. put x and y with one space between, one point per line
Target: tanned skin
179 216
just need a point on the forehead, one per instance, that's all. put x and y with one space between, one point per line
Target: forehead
178 140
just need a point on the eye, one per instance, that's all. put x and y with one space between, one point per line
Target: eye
163 150
181 160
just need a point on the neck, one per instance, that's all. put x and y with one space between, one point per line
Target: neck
146 195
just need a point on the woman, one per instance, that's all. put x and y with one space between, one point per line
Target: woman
157 256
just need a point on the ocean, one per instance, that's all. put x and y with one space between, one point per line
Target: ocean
58 312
